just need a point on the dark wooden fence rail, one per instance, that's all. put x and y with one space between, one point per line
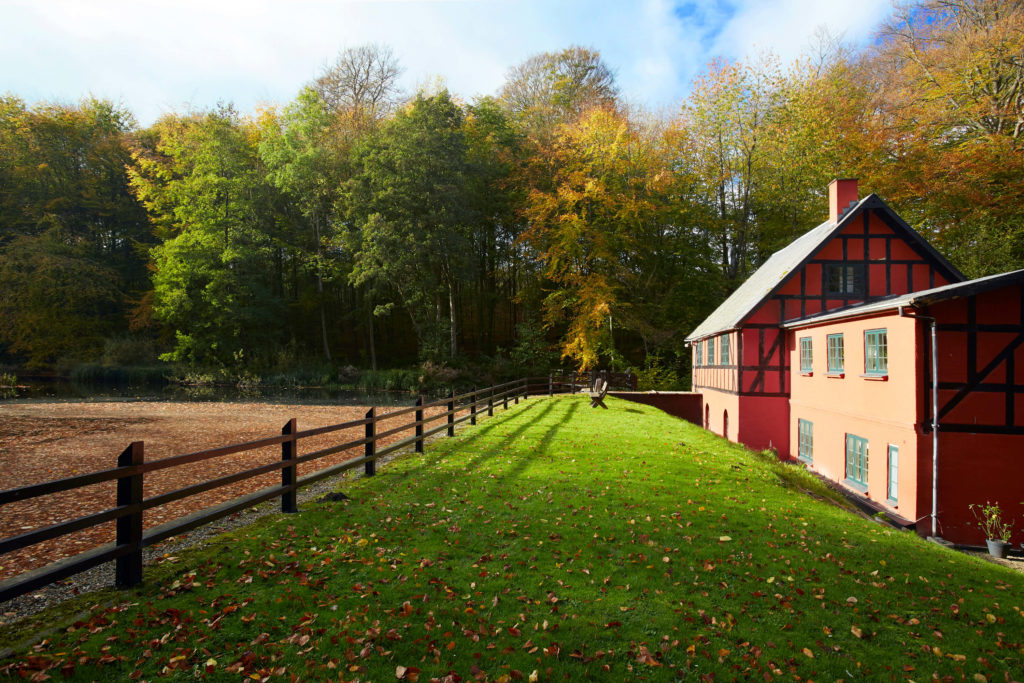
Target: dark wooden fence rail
132 467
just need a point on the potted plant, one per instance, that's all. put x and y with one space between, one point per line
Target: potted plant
997 532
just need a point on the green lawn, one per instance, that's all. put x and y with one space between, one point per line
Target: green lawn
557 542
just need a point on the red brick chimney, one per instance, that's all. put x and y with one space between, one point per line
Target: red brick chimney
842 192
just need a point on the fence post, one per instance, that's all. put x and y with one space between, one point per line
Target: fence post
371 443
490 402
572 382
128 571
451 412
289 473
504 398
419 424
472 409
526 390
551 384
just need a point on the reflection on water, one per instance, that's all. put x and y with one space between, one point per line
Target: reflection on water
65 390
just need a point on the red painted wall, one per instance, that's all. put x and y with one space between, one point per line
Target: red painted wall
686 405
764 423
982 370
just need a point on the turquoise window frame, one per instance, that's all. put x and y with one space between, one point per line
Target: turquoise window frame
711 351
723 352
857 460
805 440
892 487
806 354
876 352
836 353
700 354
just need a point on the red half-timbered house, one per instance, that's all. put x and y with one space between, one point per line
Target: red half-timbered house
824 354
740 361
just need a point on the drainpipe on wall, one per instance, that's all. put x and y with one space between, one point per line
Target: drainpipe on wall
935 418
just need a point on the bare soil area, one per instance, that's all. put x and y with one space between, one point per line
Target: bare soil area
44 441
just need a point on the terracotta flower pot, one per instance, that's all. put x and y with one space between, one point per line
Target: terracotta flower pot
997 548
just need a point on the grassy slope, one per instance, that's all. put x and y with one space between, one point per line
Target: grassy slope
554 538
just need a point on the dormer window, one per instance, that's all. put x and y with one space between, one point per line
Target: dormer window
842 279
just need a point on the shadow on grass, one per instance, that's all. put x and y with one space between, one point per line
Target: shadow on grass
428 460
546 439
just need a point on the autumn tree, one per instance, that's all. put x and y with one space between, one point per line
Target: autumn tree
72 238
615 239
949 128
555 87
360 86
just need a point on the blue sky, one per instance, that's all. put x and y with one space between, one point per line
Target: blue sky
160 56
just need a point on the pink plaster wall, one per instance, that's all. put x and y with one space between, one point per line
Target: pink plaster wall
882 411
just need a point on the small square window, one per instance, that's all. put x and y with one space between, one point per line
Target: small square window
876 352
835 353
844 280
806 355
805 440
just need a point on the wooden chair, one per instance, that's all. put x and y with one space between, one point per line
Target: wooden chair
598 392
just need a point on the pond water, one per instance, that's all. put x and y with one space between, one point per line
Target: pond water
51 390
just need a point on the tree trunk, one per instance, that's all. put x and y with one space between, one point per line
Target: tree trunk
373 348
323 313
451 316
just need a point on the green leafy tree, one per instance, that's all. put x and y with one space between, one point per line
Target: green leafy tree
409 213
303 164
199 177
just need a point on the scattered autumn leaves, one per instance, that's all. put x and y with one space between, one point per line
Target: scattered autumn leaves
557 543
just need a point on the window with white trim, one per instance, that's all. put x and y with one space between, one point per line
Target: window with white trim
876 352
835 353
806 355
805 440
892 490
857 459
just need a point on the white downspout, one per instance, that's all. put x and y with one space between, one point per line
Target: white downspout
935 418
935 430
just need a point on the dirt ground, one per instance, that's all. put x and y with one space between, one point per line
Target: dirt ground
45 441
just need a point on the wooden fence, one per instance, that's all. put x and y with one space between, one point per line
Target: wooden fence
131 538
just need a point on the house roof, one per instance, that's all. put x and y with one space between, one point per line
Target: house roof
767 279
921 298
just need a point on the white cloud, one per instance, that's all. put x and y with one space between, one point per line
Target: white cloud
786 27
158 55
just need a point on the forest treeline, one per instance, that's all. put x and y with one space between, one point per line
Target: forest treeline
552 222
